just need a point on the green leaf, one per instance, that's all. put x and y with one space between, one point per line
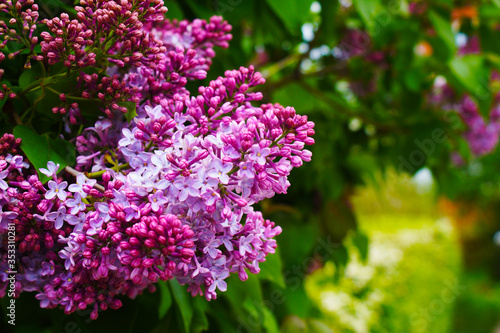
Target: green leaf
238 290
328 30
340 257
271 269
444 31
199 10
36 49
34 146
493 59
297 301
489 12
260 316
243 297
369 10
174 11
270 323
360 240
246 299
166 299
62 151
473 74
40 150
467 69
306 234
488 39
292 13
131 110
28 76
295 95
200 320
183 301
2 102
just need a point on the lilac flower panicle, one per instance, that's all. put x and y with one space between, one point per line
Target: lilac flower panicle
482 132
168 195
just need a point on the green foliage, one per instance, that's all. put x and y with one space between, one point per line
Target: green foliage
472 73
444 31
183 302
131 110
478 306
394 290
166 299
291 12
40 149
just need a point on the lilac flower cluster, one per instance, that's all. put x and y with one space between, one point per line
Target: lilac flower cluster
103 32
168 195
481 134
181 208
22 22
189 50
103 29
206 159
18 22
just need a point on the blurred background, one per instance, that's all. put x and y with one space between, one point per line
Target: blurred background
393 225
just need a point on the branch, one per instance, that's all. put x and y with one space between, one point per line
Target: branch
75 173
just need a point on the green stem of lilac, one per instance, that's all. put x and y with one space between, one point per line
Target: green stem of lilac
100 173
233 170
76 98
275 142
43 82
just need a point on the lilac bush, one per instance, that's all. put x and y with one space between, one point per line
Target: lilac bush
164 182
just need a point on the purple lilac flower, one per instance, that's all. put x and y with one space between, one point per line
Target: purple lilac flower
81 183
51 170
75 204
56 189
48 268
58 217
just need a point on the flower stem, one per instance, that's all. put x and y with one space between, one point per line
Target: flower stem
100 173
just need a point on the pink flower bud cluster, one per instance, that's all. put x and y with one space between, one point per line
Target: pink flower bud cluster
103 31
18 26
189 52
67 41
9 145
104 28
111 91
5 91
121 254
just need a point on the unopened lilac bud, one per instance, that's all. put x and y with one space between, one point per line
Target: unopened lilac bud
309 141
187 253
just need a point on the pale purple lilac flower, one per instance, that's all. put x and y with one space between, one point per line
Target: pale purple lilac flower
56 189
